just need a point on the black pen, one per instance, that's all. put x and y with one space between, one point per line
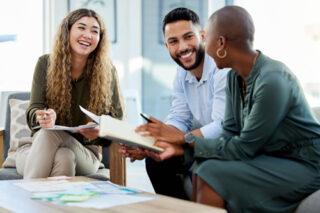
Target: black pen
146 117
44 117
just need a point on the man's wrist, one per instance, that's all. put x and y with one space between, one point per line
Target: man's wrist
189 138
181 138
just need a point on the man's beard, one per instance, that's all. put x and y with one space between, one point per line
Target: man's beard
199 57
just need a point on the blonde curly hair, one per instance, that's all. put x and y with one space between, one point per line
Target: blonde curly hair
99 69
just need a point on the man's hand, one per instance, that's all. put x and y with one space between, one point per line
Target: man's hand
133 153
46 118
90 133
161 132
170 150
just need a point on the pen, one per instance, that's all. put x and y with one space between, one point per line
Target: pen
44 117
145 117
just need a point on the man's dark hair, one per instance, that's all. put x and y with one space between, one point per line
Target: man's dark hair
180 13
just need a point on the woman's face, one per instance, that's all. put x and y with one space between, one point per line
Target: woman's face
211 46
84 36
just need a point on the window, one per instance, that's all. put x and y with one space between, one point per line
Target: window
21 44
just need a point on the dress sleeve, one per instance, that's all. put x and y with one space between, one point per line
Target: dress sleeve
38 91
270 104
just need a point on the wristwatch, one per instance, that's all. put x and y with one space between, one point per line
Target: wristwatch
189 138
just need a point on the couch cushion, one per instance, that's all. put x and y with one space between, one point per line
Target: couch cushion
311 204
9 174
102 174
18 128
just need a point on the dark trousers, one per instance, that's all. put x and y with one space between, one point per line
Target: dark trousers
167 177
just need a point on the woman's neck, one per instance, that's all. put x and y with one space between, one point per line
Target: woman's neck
244 63
77 66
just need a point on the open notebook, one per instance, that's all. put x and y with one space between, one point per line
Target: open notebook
124 132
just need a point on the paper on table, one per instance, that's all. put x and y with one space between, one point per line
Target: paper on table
53 186
106 194
107 201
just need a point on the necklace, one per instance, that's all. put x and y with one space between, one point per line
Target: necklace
244 86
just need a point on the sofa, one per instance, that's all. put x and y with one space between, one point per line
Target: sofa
311 204
115 167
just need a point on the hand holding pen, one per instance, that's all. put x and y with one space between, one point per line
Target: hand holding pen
46 117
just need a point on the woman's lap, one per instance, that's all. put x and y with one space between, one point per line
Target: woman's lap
42 153
263 182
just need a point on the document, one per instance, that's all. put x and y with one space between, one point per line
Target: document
123 132
94 117
67 128
95 194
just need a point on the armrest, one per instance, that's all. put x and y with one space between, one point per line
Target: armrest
1 145
117 165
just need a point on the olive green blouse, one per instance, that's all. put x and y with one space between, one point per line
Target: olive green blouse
274 118
79 95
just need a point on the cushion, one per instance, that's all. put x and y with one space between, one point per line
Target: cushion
311 204
102 174
9 174
18 129
316 112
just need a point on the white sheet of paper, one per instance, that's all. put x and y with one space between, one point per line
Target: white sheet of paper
71 129
109 194
53 186
91 115
110 200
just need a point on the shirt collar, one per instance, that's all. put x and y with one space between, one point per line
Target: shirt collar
81 77
208 67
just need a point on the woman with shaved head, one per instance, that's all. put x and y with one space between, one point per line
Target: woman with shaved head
267 157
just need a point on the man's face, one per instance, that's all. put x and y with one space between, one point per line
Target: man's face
184 44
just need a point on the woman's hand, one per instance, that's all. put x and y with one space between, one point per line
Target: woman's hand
161 131
170 150
46 118
90 133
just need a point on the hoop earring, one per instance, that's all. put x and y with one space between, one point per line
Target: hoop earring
221 56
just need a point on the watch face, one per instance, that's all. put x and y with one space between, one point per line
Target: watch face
189 138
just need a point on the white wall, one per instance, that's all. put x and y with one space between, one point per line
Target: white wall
289 31
18 58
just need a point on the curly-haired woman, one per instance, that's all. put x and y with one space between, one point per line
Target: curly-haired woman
77 72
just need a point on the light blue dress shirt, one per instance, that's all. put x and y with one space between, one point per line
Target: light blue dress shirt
199 103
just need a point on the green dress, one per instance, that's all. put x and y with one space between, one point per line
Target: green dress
267 157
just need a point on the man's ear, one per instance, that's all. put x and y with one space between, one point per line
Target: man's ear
165 43
203 36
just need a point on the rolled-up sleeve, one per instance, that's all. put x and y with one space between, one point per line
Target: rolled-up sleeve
180 115
214 129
